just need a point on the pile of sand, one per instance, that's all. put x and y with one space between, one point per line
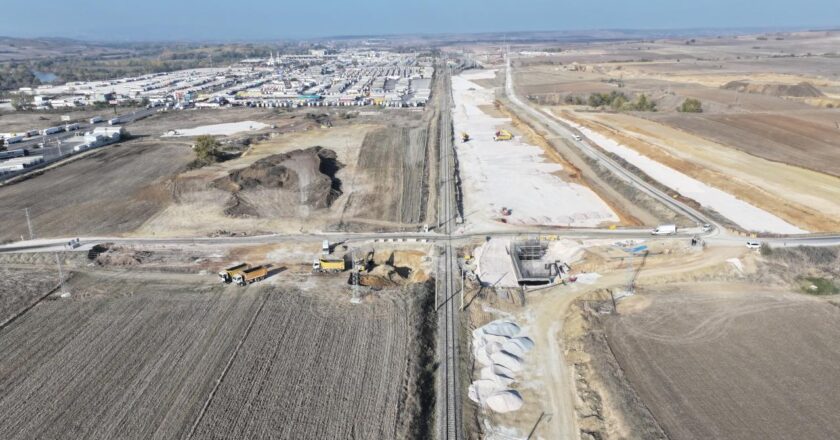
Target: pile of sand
298 178
801 90
501 349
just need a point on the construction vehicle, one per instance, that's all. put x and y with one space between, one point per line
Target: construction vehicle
465 137
328 265
251 275
503 135
228 274
506 211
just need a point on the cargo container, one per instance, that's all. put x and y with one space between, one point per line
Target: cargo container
96 119
114 121
71 127
52 130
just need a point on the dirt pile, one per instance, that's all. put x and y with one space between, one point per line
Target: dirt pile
299 178
801 90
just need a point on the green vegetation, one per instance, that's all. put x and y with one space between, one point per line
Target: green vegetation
22 101
618 101
691 105
765 250
14 76
134 60
206 151
818 286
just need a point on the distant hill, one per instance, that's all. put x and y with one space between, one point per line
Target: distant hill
801 90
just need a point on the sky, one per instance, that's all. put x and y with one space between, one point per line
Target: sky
216 20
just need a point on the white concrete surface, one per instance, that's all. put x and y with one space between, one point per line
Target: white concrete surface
218 129
512 174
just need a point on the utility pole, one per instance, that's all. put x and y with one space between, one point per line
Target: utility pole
463 278
29 224
60 276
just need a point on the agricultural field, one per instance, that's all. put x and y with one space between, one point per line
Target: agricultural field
767 133
344 371
151 355
111 190
21 287
712 361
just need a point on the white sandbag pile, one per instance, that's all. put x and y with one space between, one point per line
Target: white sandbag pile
501 349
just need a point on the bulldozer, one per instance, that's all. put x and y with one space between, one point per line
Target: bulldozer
503 135
465 137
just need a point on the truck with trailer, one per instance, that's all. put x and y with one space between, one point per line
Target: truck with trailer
251 275
52 130
328 265
13 139
664 230
227 274
20 152
33 133
71 127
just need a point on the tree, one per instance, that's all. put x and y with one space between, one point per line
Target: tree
691 105
22 101
206 150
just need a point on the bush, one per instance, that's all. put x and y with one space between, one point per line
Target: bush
818 286
691 105
206 150
765 250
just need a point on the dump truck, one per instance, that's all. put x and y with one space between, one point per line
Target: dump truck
228 274
251 275
503 135
465 137
328 265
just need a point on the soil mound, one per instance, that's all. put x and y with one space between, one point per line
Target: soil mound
299 178
801 90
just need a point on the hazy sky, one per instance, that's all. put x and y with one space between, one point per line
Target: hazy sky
276 19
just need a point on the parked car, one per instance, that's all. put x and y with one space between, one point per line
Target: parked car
753 244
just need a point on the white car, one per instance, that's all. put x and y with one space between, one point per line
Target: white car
753 244
707 227
578 138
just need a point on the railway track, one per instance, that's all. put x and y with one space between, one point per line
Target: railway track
449 413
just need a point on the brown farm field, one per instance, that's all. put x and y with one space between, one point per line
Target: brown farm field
807 140
149 355
730 361
112 190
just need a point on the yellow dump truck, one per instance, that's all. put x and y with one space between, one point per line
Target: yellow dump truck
227 275
329 265
503 135
251 275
